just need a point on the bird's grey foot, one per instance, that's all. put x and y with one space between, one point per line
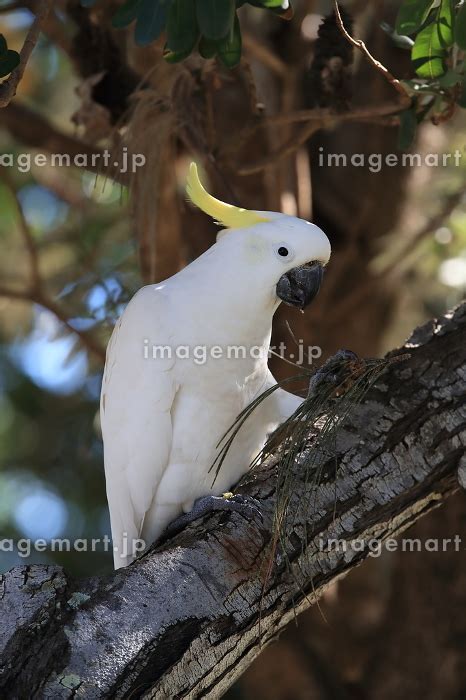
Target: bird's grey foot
248 506
336 374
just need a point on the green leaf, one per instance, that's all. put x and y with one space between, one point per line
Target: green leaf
215 17
207 48
175 56
272 4
8 62
182 29
3 45
430 47
126 14
229 48
88 3
428 53
460 28
408 126
152 18
445 20
412 15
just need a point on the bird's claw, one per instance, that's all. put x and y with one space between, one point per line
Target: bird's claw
248 506
337 373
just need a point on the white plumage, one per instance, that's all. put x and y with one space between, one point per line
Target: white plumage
162 418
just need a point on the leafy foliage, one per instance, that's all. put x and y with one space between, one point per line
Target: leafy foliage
210 25
435 33
430 50
439 30
412 15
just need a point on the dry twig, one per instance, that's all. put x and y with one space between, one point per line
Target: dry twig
360 45
263 54
25 231
395 268
34 290
317 119
39 298
8 87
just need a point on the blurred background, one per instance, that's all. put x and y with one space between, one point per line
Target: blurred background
76 243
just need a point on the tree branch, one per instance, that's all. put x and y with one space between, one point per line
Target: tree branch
183 621
34 291
313 120
360 45
30 128
26 234
398 265
263 54
8 87
36 296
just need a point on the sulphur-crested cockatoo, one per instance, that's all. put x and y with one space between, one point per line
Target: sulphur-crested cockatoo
163 408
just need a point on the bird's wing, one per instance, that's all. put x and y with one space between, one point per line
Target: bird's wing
136 401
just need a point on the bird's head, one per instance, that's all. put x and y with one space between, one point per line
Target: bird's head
287 254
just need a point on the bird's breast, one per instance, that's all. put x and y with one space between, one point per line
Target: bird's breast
207 406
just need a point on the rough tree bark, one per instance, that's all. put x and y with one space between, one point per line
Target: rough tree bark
184 621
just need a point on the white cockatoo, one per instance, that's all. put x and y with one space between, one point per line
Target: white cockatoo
163 408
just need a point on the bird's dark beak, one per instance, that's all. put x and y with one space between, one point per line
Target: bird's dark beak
299 286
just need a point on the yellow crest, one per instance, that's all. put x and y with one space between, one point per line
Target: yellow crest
225 214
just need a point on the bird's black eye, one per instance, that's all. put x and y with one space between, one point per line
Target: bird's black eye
282 251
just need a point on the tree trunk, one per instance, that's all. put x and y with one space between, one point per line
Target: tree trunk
189 617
